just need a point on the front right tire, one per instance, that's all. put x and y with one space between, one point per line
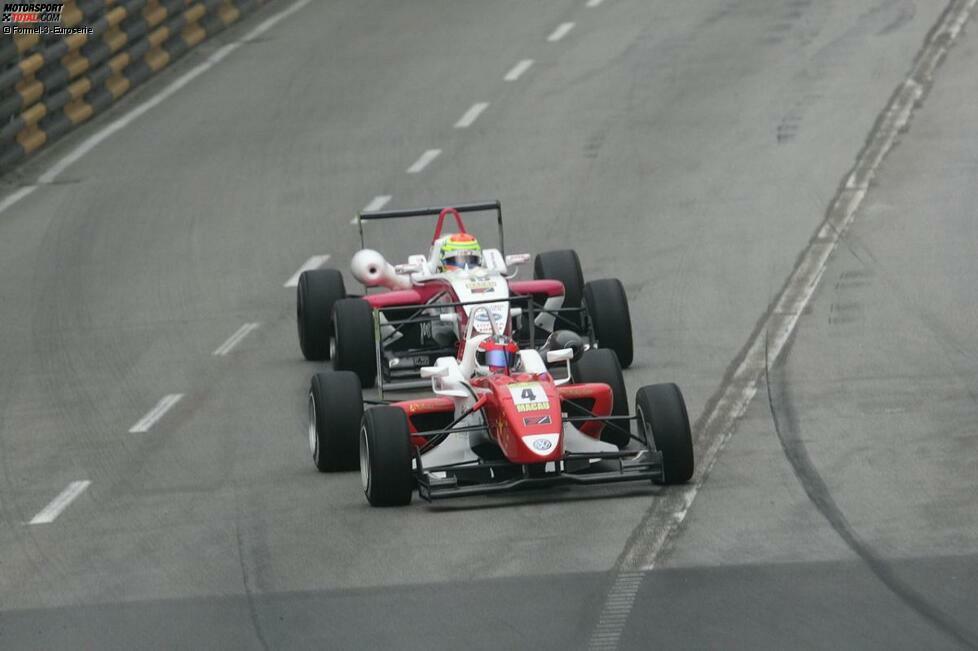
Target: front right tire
385 457
335 412
317 292
353 329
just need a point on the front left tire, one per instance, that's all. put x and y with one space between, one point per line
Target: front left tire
601 365
607 307
565 266
662 415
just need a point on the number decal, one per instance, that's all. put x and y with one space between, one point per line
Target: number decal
529 396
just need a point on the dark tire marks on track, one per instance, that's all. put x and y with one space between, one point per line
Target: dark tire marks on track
785 419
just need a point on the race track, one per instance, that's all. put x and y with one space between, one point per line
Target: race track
692 149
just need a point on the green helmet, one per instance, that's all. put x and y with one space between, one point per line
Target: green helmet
461 251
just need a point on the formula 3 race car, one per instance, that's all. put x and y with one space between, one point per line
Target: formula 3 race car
499 420
391 335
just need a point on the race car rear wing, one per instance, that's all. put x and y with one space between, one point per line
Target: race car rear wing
441 212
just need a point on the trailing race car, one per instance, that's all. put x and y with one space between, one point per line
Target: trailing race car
500 420
430 300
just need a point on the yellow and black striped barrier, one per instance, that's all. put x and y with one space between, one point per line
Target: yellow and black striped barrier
49 85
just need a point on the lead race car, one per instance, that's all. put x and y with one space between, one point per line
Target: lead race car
499 420
390 335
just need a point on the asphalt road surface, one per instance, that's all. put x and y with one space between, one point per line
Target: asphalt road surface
690 148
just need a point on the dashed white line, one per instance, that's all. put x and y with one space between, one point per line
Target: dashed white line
376 203
50 512
424 161
315 262
103 134
156 413
235 339
471 115
517 71
562 30
593 3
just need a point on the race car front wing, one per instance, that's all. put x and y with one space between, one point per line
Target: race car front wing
486 477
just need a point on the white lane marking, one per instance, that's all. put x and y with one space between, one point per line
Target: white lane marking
50 512
517 71
164 405
777 328
235 339
376 203
16 196
781 321
614 615
315 262
593 3
424 161
561 31
471 115
107 131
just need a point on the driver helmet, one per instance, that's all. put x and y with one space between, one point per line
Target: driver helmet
499 353
460 251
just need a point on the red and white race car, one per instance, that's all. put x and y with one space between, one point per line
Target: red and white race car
499 419
430 300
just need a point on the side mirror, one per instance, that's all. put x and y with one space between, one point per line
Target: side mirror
402 269
516 259
434 371
562 355
572 341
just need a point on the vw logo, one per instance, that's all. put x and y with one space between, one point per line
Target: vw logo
542 444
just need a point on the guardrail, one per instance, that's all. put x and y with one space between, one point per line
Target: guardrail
51 84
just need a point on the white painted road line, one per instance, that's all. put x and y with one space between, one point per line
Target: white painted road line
315 262
376 203
617 608
517 71
782 319
593 3
235 339
562 30
164 405
106 132
16 196
50 512
471 115
770 339
424 161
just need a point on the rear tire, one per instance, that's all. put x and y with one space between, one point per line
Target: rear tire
316 293
565 266
607 306
353 328
662 412
601 365
385 457
335 411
